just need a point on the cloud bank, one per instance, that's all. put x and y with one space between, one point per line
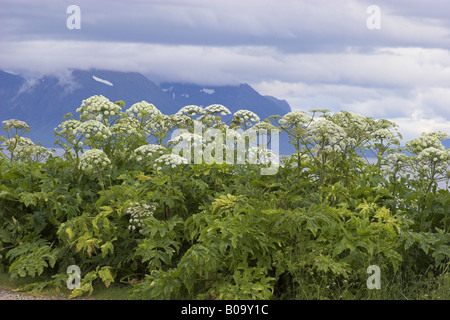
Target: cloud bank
311 53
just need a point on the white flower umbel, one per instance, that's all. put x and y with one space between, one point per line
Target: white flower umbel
143 111
67 127
349 120
92 131
16 125
33 153
169 161
433 161
297 119
179 119
188 142
138 212
396 163
264 156
23 149
243 116
94 160
217 109
427 140
264 125
148 151
190 111
127 127
383 134
326 135
98 107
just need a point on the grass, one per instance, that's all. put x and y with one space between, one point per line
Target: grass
114 292
424 287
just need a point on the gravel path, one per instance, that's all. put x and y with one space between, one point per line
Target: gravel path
6 294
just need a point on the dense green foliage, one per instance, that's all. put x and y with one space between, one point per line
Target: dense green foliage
126 212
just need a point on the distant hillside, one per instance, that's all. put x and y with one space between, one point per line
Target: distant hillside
233 97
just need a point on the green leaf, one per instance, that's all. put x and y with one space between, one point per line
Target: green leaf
105 274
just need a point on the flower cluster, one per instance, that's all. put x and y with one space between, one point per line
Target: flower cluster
242 116
434 157
148 151
382 134
217 109
93 160
33 153
15 124
138 212
264 125
191 111
127 127
427 140
194 139
92 129
98 107
179 119
23 149
259 155
67 127
211 121
395 162
142 110
18 142
296 119
160 123
326 133
169 161
346 119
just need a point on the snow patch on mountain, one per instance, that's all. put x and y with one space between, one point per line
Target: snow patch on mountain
207 91
102 81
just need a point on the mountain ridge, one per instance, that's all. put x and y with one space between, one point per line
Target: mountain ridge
43 102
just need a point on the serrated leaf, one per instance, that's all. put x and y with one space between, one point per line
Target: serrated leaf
106 276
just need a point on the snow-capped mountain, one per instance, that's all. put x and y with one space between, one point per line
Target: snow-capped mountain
42 103
234 98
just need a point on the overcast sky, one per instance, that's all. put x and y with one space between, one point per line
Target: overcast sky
314 54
